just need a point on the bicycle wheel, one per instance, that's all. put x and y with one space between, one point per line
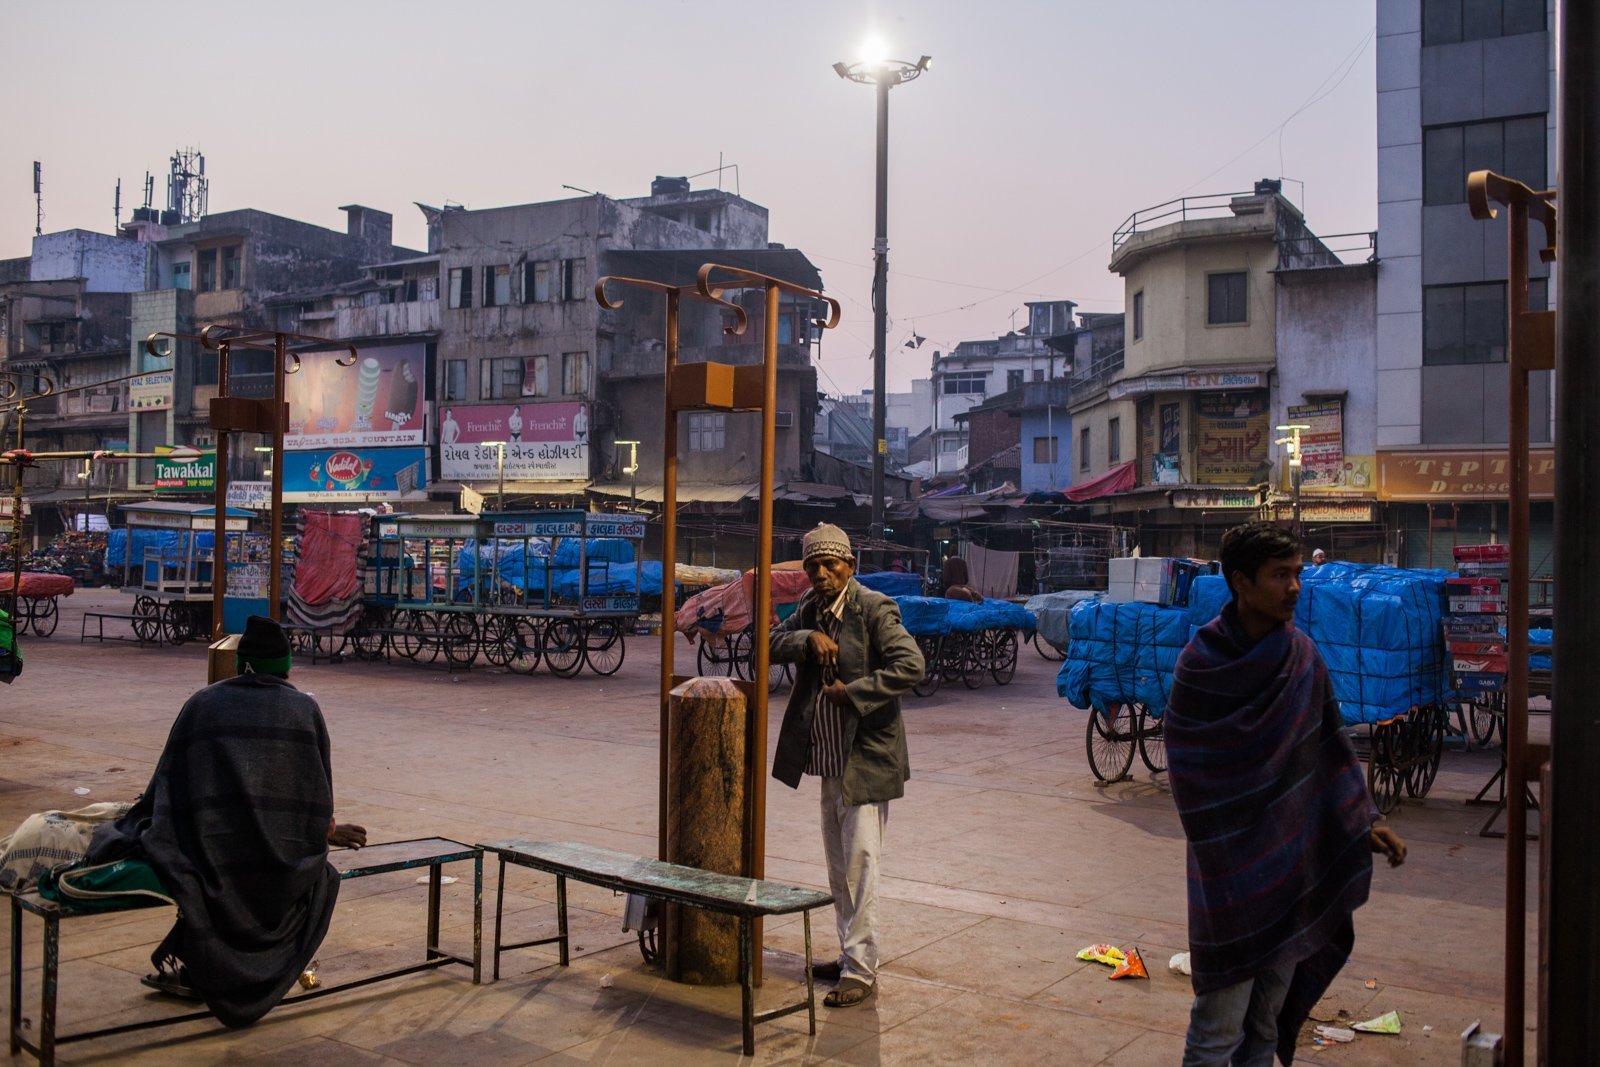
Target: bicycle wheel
1003 657
1482 719
458 638
499 639
563 647
146 619
1110 741
931 674
1152 742
525 644
739 653
604 646
46 615
1046 649
975 665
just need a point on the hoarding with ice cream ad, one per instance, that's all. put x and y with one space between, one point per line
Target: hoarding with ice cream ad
543 442
377 403
359 474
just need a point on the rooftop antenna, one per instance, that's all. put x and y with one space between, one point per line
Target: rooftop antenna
116 207
38 198
187 187
149 190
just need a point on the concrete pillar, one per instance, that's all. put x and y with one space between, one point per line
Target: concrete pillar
705 805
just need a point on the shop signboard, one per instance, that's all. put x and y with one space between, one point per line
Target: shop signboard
1225 379
377 403
256 496
150 392
185 470
1321 446
1216 499
624 602
1461 474
543 442
1233 438
332 474
1326 511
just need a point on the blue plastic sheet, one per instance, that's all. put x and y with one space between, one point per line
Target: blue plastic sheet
611 549
1122 654
1379 630
924 616
928 616
892 583
614 579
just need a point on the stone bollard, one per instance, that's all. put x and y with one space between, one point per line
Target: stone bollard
705 822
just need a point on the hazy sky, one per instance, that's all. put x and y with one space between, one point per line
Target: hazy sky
1041 126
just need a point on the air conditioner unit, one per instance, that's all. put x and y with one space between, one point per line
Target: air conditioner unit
783 420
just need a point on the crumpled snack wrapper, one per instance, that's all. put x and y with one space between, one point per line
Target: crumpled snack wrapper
1387 1023
1132 966
1110 955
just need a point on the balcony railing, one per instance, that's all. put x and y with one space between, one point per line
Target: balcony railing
1184 209
1328 250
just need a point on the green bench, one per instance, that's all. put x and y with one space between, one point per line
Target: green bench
430 852
745 898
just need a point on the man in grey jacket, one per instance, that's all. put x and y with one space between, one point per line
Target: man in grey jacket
843 725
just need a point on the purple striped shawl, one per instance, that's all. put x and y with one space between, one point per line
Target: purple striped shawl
1275 808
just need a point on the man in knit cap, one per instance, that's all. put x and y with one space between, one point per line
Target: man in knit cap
236 824
854 659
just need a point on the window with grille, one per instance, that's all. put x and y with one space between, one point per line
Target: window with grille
706 431
1225 299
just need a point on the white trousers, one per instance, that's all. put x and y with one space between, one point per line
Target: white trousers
852 839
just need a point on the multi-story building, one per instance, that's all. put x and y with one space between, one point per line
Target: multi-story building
1174 431
840 423
1462 85
976 370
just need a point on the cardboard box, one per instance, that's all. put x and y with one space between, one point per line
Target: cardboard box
1483 553
1473 627
1475 586
1496 647
1469 569
1120 570
1478 683
1477 605
1478 664
1119 592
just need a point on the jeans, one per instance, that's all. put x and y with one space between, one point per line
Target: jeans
852 839
1238 1026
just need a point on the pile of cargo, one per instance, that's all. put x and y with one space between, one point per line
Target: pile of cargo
1475 622
1162 580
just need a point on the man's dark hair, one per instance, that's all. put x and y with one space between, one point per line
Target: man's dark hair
1245 548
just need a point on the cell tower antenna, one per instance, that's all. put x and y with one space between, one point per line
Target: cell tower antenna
187 186
38 198
149 190
116 207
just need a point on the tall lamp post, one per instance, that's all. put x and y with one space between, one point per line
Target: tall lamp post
1292 448
632 470
883 75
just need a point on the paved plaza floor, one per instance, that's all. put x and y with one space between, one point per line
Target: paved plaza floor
1002 861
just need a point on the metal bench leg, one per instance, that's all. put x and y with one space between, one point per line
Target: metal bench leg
16 976
47 995
499 912
433 911
561 917
811 989
477 919
747 983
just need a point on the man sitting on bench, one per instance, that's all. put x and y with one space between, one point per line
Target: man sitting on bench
236 824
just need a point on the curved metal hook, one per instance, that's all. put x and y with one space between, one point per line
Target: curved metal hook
8 389
151 349
833 315
613 303
714 293
351 362
294 363
211 336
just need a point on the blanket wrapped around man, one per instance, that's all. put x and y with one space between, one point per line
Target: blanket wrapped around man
235 824
1276 812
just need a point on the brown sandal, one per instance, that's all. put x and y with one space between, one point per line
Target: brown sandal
850 992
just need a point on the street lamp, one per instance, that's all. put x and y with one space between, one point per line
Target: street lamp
500 498
883 75
1291 445
632 469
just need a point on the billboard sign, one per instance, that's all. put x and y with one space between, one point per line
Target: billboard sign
377 403
185 470
1322 463
1234 440
331 474
543 442
150 392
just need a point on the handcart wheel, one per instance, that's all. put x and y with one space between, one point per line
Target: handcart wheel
705 657
46 616
174 624
1110 742
952 656
1046 649
740 650
1152 742
563 647
407 638
146 619
458 637
525 645
1483 716
26 606
1003 657
975 665
1383 779
932 675
499 639
604 646
1427 749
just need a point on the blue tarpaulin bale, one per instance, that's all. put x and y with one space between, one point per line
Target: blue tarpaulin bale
892 583
613 580
611 549
924 616
1122 654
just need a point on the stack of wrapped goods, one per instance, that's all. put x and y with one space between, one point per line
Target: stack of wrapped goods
1475 625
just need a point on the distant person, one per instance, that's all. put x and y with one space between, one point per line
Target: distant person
953 573
1275 808
236 824
855 660
1318 557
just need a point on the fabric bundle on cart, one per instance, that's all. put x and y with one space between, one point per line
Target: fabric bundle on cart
610 549
326 590
1378 629
1122 654
615 579
892 583
924 616
1053 611
968 618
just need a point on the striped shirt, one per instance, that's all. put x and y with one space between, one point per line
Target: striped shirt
828 746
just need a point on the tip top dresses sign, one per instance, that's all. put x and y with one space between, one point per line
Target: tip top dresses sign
376 403
543 442
1461 475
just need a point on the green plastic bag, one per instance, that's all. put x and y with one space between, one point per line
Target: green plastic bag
105 887
10 650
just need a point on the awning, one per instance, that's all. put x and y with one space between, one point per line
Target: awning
1116 480
688 492
942 508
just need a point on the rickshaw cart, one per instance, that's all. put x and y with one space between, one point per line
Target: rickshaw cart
171 584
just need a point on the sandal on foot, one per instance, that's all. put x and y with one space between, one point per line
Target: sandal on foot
826 972
173 983
850 992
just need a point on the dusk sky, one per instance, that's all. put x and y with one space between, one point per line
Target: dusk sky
1041 126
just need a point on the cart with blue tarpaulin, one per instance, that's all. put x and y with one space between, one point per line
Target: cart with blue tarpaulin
968 641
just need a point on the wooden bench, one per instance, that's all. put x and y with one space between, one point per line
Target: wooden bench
745 898
430 852
100 618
